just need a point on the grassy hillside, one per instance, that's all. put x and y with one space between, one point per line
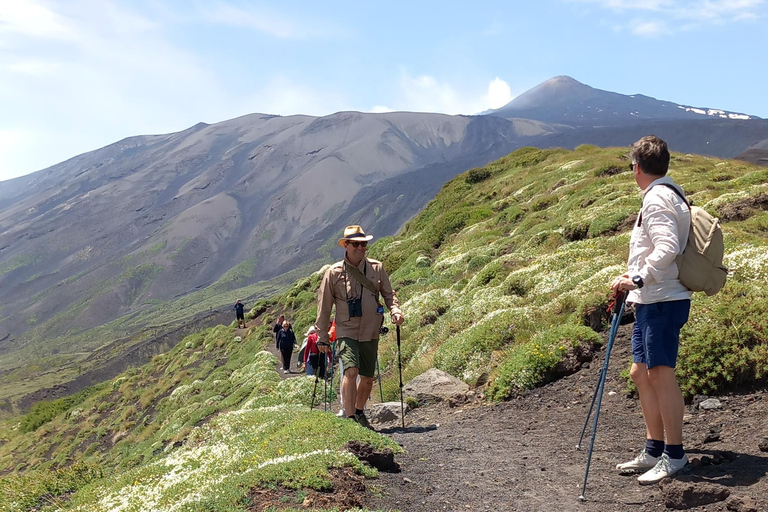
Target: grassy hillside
503 278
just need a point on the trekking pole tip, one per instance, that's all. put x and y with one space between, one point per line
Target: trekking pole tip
582 498
578 446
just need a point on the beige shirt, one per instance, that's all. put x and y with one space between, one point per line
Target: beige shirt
337 286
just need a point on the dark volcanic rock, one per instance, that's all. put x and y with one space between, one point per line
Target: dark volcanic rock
383 460
684 495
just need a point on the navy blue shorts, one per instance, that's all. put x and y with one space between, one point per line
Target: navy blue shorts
657 332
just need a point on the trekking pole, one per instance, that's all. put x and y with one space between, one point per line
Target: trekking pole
381 391
618 310
400 372
326 398
333 363
611 335
314 391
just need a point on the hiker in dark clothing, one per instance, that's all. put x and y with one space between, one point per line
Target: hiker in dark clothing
240 312
277 328
286 342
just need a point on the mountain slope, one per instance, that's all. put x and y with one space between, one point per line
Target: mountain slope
118 247
499 278
121 231
566 101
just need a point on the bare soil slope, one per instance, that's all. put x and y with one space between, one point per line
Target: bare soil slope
521 456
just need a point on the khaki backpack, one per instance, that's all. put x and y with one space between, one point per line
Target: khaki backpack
701 263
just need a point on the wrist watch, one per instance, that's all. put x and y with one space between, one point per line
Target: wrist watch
638 282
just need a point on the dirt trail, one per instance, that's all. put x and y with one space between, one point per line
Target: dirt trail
520 455
271 348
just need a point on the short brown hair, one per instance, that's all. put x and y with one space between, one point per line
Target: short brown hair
652 155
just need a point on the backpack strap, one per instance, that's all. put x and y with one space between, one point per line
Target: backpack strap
674 189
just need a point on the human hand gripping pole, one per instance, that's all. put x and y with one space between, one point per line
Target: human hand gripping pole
617 308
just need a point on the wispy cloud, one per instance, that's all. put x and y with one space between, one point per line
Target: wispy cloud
29 18
425 93
74 77
283 96
648 28
267 21
657 17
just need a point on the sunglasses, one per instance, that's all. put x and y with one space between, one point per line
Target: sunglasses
632 166
358 244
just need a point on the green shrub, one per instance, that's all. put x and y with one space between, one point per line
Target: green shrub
516 284
574 232
468 354
526 157
40 488
724 345
540 360
43 412
477 175
607 223
543 202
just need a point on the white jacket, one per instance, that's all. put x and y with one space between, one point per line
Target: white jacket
656 243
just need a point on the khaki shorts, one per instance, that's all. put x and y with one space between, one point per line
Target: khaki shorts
359 354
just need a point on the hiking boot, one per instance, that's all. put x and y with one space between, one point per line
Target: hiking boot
362 420
642 462
664 468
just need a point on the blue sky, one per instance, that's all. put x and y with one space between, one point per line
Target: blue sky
76 75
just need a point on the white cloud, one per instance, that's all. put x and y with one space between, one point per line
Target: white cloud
34 67
283 96
647 28
31 18
425 93
381 109
271 23
681 14
90 75
499 93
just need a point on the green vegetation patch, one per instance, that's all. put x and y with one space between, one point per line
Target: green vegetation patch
543 359
235 452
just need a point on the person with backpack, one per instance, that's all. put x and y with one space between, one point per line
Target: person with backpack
662 304
314 363
355 287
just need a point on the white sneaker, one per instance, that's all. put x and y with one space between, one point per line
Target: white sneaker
286 371
341 414
642 462
664 468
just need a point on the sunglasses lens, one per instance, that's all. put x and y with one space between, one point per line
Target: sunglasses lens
358 244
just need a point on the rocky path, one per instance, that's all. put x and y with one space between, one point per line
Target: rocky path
521 456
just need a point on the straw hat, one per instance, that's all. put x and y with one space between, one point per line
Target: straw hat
354 234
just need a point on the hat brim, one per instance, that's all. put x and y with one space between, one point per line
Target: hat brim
366 238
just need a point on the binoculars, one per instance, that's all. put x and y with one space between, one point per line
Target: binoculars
355 307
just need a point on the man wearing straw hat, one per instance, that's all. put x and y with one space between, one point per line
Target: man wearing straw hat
354 285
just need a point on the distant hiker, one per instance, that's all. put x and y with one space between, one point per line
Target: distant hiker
277 328
662 305
314 361
353 287
240 313
286 342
